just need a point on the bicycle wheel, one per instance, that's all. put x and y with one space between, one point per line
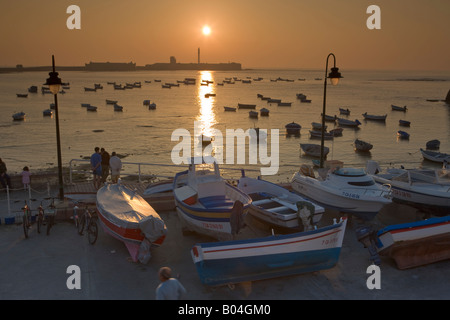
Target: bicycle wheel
40 219
92 232
25 225
81 224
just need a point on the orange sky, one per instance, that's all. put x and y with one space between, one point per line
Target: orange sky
257 33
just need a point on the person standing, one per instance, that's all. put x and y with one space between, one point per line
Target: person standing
115 165
26 180
105 164
4 177
169 288
96 166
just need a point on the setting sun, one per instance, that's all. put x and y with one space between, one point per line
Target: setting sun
206 30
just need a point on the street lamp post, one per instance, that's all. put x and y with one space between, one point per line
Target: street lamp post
54 83
334 77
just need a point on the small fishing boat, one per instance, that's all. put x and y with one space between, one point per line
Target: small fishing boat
22 95
246 106
293 128
318 134
126 216
337 132
433 144
374 117
229 108
279 207
229 262
397 108
361 145
329 118
47 112
425 189
284 104
348 190
253 114
317 126
344 111
435 156
273 100
152 106
118 108
33 89
417 243
404 123
402 134
90 89
111 101
313 150
91 108
19 116
264 112
205 204
207 95
348 123
84 105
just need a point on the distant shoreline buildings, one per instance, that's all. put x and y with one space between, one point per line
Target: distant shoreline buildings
130 66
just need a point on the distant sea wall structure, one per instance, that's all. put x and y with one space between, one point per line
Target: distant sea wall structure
110 66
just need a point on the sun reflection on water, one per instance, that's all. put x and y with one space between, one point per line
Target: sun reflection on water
206 116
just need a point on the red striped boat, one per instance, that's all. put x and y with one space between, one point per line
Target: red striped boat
128 217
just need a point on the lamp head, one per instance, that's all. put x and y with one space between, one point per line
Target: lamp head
334 76
54 82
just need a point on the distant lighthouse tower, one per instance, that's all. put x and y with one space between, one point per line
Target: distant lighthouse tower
198 55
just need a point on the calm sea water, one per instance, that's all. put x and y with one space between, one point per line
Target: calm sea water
144 135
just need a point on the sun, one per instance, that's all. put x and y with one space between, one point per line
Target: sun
206 30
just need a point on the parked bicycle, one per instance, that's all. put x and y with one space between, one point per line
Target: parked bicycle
89 220
44 218
26 219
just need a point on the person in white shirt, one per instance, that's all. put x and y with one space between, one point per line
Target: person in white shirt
169 288
115 164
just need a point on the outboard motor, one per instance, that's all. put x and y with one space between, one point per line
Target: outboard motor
366 236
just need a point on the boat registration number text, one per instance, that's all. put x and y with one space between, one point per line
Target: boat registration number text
350 195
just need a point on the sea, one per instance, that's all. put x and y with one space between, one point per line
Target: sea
149 137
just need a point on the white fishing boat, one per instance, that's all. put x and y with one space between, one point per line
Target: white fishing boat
318 134
313 150
435 156
348 190
425 189
279 207
126 216
205 203
348 123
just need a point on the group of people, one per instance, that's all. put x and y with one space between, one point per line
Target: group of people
5 179
102 163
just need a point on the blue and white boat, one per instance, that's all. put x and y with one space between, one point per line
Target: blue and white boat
222 263
205 202
402 134
416 243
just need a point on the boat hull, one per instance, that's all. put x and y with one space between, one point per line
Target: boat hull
264 258
417 243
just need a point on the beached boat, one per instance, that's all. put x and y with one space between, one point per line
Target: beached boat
348 190
47 112
253 114
222 263
374 117
246 106
425 189
126 216
279 207
344 111
160 194
348 123
361 145
435 156
205 204
417 243
293 128
397 108
402 134
264 112
404 123
433 144
313 150
229 108
19 116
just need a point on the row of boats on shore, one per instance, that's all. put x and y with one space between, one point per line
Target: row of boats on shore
299 242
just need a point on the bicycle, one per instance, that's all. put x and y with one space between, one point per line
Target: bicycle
89 219
49 218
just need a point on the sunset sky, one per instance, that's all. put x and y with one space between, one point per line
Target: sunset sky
257 33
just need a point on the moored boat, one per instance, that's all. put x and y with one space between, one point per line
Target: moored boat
293 128
246 106
313 150
253 114
348 123
229 108
126 216
404 123
433 144
397 108
344 111
374 117
402 134
264 112
435 156
19 116
361 145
